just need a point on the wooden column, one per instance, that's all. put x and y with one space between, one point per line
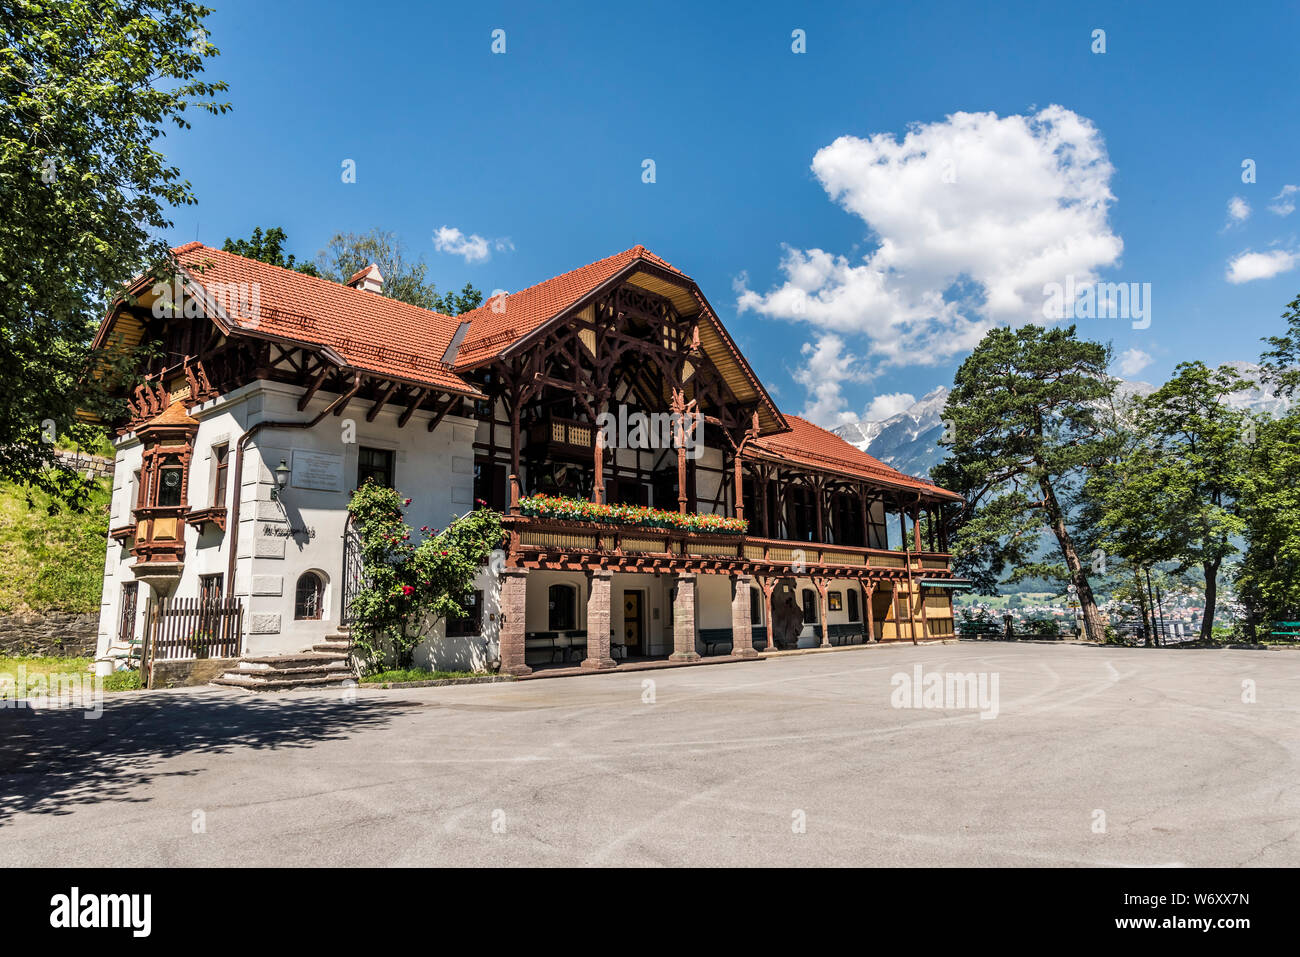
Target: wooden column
818 496
768 585
925 618
911 597
514 603
869 589
916 528
742 626
514 457
599 622
740 489
866 517
820 584
684 621
598 478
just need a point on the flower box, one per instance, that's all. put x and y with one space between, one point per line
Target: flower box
641 516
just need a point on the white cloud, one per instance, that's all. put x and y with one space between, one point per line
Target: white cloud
970 216
1133 361
1248 266
1238 210
474 248
888 404
825 369
1284 202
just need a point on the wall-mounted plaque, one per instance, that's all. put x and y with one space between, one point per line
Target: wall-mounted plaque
318 470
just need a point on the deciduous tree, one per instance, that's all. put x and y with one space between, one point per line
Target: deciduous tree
86 90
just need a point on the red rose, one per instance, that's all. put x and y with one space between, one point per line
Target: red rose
407 590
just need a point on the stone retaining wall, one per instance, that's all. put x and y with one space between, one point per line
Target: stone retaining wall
53 633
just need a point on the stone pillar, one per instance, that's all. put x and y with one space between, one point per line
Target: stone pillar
514 595
598 623
684 621
742 626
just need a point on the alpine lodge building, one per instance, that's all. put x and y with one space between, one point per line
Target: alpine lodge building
274 394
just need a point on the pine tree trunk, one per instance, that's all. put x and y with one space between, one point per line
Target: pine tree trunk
1211 597
1147 626
1093 627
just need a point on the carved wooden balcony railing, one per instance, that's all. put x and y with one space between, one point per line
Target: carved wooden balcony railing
558 435
560 544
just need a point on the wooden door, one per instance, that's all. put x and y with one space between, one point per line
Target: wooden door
633 625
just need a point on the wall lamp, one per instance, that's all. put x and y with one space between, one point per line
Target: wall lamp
281 473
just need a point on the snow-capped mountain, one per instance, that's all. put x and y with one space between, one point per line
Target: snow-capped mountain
909 440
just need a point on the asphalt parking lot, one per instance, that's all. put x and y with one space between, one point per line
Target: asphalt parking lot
1096 756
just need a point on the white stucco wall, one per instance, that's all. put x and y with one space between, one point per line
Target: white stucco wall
281 539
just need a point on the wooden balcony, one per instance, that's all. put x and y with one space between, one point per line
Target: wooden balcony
563 438
578 546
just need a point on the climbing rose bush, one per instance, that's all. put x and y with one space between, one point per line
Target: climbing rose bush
580 510
411 580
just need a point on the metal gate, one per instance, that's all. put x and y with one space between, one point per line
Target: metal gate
352 571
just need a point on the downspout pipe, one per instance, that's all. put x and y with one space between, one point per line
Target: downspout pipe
240 448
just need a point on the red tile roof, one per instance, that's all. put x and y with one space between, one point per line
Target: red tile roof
500 322
814 447
369 331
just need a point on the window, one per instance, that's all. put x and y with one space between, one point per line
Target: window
130 602
209 587
309 597
490 483
562 605
853 605
809 607
376 464
169 482
221 460
472 621
755 606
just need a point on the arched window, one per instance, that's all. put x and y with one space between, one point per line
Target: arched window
309 597
562 604
755 606
853 604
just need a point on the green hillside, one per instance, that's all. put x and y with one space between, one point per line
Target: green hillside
51 561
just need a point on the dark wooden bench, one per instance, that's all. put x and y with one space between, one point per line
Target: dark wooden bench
577 649
713 637
980 629
1286 629
544 641
846 633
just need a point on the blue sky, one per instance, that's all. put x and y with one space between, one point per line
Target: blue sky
540 152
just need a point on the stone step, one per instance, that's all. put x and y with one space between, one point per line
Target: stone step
252 684
332 646
301 660
288 674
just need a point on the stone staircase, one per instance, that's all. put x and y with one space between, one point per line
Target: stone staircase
324 665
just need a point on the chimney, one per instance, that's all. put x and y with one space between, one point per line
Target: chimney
368 280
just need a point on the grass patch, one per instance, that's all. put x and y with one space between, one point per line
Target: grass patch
123 681
51 561
45 666
418 674
34 668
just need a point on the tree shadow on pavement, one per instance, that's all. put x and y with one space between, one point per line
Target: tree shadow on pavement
54 759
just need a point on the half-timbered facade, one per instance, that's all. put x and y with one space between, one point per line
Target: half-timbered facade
273 394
